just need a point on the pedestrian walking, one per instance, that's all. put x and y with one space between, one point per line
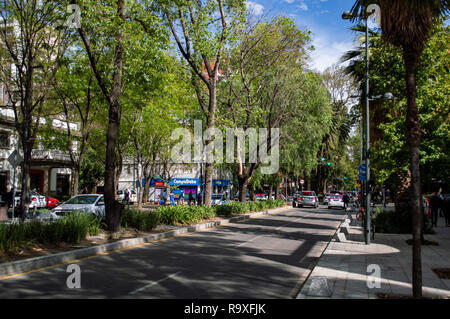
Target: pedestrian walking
446 209
172 199
346 200
126 197
85 190
435 204
191 198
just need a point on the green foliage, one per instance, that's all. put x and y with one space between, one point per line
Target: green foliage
71 229
140 220
185 215
236 208
393 222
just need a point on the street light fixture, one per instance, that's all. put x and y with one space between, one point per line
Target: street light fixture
348 16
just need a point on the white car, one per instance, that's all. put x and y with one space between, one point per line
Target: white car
326 198
121 195
36 200
86 203
261 197
336 200
217 199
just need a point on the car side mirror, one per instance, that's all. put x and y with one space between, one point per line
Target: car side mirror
101 204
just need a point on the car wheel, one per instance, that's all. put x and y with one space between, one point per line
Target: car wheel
329 207
293 204
301 206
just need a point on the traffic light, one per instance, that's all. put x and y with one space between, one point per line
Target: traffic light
345 177
323 159
329 164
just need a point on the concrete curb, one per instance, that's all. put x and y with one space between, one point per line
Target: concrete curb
20 266
303 291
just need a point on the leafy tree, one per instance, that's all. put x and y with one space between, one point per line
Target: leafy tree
33 42
202 31
407 25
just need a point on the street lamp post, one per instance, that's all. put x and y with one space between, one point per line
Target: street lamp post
347 16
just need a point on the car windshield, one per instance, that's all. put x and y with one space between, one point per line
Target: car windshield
336 197
216 197
77 200
309 194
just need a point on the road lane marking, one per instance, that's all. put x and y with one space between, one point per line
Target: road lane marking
153 283
5 277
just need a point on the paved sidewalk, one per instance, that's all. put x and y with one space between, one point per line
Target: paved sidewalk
345 266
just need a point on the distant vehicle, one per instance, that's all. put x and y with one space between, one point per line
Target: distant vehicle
121 195
218 199
87 203
305 198
52 202
36 200
247 195
336 200
261 197
326 199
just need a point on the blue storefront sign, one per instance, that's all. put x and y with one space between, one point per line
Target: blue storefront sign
184 182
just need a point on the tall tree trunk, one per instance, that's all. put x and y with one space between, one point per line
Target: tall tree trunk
270 191
27 140
209 165
243 185
114 208
75 180
413 136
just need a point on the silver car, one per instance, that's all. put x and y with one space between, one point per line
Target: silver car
305 198
86 203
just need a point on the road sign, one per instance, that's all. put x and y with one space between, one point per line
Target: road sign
302 181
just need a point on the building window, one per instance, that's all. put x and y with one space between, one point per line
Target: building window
4 139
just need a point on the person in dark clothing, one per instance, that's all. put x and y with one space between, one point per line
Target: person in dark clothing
446 210
126 197
435 204
346 200
191 198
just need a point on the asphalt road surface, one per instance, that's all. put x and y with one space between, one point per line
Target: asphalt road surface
263 257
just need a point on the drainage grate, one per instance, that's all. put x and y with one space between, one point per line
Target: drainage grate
443 273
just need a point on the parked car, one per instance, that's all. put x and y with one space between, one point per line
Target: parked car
336 200
86 203
326 199
52 202
305 198
261 197
217 199
36 200
121 195
247 195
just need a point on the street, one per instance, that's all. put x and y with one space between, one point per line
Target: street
264 257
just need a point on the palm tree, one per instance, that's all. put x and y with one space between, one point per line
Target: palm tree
407 24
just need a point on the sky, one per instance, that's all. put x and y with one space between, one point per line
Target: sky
331 35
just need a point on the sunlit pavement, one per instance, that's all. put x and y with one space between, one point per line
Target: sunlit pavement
264 257
355 270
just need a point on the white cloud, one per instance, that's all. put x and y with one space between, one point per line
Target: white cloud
255 8
302 6
328 52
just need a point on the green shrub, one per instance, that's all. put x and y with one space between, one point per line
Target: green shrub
184 215
397 222
236 208
143 221
71 229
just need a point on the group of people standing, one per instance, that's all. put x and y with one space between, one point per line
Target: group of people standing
438 205
180 200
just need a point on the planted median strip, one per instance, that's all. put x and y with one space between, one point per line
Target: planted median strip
76 227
